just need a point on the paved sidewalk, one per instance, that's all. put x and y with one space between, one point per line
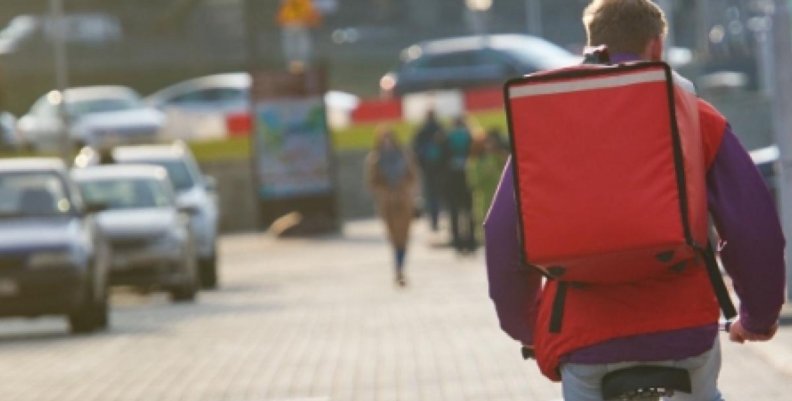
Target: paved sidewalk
315 320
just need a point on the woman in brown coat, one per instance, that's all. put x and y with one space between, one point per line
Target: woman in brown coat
391 176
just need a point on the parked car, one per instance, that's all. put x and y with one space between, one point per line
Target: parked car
193 191
8 133
53 258
150 237
99 116
201 108
470 61
207 107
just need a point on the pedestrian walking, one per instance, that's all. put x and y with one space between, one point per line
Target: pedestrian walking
428 144
296 19
391 176
668 320
457 192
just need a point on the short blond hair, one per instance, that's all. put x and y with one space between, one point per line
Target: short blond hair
624 26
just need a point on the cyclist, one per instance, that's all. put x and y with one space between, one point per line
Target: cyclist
664 321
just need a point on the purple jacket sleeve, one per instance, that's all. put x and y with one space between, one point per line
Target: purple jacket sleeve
514 288
746 219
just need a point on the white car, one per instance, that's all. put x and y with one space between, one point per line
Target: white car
203 108
98 116
150 238
8 133
193 191
200 108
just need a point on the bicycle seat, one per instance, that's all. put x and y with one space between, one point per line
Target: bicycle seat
645 382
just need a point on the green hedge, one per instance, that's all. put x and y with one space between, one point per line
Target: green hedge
355 137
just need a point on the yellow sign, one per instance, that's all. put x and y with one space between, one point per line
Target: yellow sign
298 12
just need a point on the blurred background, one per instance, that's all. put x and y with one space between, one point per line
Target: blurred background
174 148
368 51
149 44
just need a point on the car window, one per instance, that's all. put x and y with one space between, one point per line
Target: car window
224 95
211 95
43 109
445 60
81 108
33 195
490 57
126 194
179 172
189 97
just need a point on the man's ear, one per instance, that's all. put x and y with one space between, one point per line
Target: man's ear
654 50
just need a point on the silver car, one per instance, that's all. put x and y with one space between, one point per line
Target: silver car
99 116
53 258
211 106
151 240
193 191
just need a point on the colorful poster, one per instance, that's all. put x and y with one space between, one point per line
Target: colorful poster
292 147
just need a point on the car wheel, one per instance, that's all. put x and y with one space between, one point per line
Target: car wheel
103 312
92 315
187 290
209 279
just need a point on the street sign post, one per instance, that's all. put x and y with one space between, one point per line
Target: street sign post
61 76
782 118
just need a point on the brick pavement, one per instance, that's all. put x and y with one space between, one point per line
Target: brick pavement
312 320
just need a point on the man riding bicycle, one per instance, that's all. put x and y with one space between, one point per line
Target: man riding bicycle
665 322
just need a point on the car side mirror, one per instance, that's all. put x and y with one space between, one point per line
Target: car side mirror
191 210
210 183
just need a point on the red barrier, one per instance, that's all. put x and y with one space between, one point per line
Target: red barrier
239 124
484 99
377 110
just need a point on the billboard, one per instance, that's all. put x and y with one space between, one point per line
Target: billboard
293 158
292 151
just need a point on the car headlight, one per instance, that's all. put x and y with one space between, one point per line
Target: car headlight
51 259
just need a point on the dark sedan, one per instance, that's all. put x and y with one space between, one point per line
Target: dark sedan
53 259
469 61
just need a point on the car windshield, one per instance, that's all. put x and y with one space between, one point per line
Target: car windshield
178 172
33 194
82 107
126 193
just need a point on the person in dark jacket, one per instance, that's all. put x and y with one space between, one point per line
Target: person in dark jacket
670 322
428 149
457 190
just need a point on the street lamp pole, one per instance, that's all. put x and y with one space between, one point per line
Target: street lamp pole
478 10
533 10
61 76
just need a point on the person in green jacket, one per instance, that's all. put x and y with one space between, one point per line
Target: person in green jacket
484 171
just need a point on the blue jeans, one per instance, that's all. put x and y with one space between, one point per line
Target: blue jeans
582 382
